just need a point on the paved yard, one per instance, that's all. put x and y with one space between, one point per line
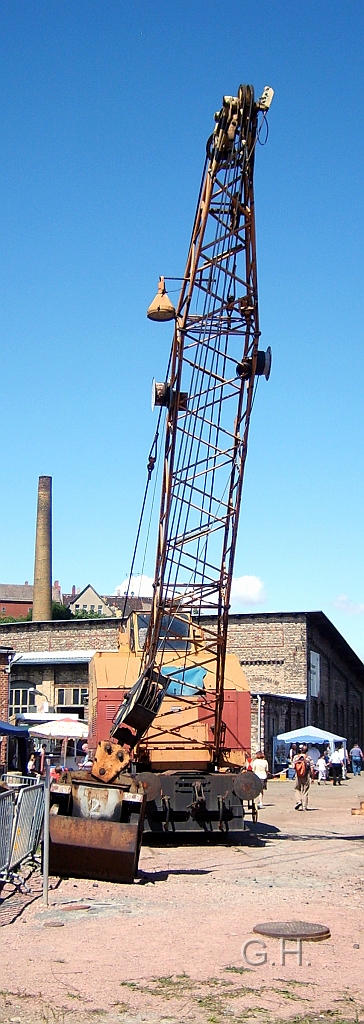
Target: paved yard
169 948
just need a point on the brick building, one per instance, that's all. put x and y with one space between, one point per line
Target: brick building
16 599
6 652
301 671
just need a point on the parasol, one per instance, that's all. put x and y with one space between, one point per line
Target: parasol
61 729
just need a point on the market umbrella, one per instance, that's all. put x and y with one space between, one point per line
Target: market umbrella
61 729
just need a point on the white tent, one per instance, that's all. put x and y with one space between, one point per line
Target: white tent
309 734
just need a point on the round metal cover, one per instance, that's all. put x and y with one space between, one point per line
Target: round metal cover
293 930
152 784
247 786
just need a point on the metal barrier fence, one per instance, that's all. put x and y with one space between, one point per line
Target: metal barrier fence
27 824
6 829
22 818
14 780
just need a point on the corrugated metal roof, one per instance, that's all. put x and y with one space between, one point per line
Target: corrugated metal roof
53 657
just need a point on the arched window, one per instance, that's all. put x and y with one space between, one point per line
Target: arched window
342 720
357 725
298 720
336 718
314 712
352 724
322 715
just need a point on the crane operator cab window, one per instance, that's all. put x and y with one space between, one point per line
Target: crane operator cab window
174 634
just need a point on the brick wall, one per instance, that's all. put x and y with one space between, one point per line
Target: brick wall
339 705
272 651
65 635
4 697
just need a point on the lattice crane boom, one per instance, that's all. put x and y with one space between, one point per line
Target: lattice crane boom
208 395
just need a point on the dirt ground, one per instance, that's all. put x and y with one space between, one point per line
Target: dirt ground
169 948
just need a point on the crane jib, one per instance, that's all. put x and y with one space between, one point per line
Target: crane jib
213 368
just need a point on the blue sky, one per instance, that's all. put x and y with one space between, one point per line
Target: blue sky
106 108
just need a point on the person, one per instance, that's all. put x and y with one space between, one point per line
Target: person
42 758
31 765
357 757
87 761
342 753
313 753
260 768
336 763
292 751
321 769
304 768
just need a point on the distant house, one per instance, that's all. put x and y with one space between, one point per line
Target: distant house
89 601
16 600
110 605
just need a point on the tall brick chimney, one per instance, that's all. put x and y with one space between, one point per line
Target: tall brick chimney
42 590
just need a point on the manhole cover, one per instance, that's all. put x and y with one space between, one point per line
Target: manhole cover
53 924
73 906
293 930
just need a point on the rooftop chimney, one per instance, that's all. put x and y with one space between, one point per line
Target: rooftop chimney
42 591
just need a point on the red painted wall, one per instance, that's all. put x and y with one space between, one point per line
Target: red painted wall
236 717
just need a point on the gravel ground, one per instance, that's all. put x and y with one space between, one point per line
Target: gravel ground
169 948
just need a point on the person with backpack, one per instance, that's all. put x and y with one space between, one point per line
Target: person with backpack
305 771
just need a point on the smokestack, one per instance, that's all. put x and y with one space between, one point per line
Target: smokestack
42 590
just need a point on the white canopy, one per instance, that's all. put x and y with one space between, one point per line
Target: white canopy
308 734
63 729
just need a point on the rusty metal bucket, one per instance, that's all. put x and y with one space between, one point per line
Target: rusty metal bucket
85 848
95 831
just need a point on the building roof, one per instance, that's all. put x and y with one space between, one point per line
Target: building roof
53 658
16 592
280 696
21 592
78 596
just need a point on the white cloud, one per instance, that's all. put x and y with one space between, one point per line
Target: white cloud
140 586
247 590
346 605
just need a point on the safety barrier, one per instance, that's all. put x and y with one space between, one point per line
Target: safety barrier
6 829
22 818
28 820
14 780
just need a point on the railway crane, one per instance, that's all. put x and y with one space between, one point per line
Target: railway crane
170 733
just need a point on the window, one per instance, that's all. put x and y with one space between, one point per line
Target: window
99 609
322 715
3 608
342 720
314 674
72 696
298 720
84 606
174 632
77 607
20 700
336 718
92 607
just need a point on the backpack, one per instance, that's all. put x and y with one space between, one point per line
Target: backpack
302 766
